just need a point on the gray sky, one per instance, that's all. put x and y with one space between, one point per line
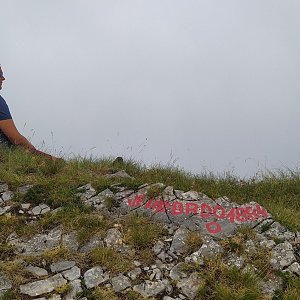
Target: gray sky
205 85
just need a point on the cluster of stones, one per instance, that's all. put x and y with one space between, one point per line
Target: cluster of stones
170 251
6 206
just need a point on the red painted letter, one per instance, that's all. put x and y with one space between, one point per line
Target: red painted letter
174 208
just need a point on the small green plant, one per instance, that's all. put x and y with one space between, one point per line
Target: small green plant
154 191
261 260
227 283
132 295
37 194
278 240
234 244
147 256
15 271
141 233
265 227
101 293
6 251
194 241
64 289
111 202
9 295
111 259
246 232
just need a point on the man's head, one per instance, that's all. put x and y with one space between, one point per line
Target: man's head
2 78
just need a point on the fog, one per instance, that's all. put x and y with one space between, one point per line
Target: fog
203 85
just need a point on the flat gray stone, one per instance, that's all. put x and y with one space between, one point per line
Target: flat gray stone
62 265
113 238
177 273
24 189
294 268
120 283
282 255
94 242
69 241
158 247
25 205
8 195
4 210
38 243
210 248
3 187
280 232
94 276
37 271
5 283
75 288
40 287
40 209
133 274
269 286
150 288
72 274
179 240
189 286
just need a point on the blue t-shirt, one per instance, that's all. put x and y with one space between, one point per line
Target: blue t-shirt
4 115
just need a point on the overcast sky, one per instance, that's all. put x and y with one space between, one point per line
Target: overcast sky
205 85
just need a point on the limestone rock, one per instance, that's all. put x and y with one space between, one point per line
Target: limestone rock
113 238
179 240
190 285
3 187
120 283
62 265
94 276
70 241
75 288
177 273
38 272
150 288
282 255
40 287
40 209
133 274
6 196
72 274
38 243
5 283
94 242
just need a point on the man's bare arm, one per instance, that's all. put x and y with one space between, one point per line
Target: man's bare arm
9 129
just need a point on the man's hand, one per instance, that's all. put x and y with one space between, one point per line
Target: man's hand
9 129
50 157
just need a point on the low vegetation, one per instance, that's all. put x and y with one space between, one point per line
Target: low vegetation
56 183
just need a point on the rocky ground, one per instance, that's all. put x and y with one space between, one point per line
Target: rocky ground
165 278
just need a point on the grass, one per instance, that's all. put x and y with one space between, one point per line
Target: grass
141 233
193 242
56 183
107 293
6 252
107 257
226 283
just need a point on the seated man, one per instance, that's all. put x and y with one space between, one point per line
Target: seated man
9 134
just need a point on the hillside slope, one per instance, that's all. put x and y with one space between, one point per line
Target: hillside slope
122 231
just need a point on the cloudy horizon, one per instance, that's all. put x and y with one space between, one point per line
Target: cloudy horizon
205 85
